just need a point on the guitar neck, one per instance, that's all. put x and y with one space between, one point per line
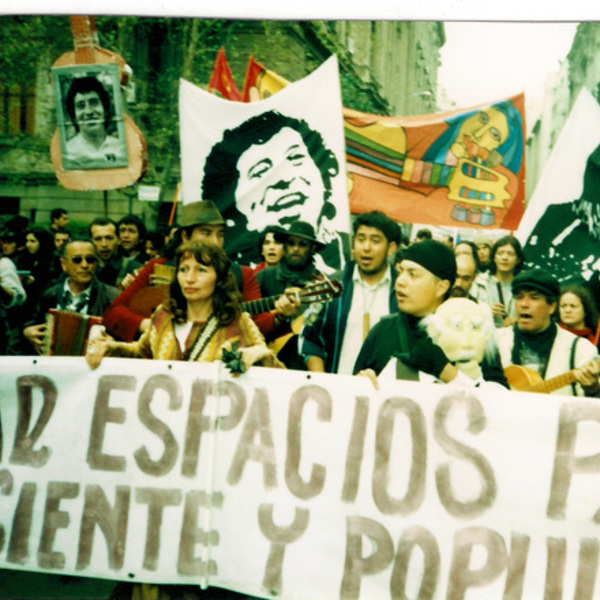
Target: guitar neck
319 291
256 307
550 385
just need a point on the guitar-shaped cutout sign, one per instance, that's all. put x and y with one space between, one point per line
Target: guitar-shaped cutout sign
96 145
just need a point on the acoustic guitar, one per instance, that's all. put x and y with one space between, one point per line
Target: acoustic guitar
525 379
145 300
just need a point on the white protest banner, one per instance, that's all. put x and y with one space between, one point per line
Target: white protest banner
300 486
270 162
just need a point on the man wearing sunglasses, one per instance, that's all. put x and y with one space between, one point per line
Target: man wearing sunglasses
79 292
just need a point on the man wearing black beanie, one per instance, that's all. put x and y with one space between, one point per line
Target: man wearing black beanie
425 277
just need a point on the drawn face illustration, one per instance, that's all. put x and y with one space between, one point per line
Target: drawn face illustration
279 183
480 134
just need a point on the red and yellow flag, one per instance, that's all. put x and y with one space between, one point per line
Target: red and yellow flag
260 82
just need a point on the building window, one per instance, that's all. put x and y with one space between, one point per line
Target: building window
17 110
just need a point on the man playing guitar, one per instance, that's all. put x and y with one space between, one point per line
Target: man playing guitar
536 348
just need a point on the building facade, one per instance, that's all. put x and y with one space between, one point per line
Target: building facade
386 68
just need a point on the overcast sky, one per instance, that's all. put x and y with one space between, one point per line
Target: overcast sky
486 61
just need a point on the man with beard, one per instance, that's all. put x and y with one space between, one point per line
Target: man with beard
330 343
295 270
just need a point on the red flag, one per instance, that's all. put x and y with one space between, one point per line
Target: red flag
222 79
253 72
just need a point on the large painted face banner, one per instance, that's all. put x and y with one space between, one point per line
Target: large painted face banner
271 162
560 230
463 169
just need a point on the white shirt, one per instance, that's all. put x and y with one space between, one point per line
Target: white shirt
374 300
10 281
79 149
76 299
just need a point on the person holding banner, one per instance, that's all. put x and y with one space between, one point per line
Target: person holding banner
200 221
425 277
201 318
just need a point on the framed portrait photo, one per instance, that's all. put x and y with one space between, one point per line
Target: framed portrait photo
90 116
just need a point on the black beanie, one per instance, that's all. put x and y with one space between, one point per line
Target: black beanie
434 256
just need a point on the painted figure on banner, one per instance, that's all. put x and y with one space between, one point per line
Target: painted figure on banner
462 167
90 117
273 169
566 239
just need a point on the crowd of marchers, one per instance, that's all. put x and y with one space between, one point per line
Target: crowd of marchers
175 295
465 313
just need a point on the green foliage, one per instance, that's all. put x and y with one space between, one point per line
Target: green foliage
161 50
28 40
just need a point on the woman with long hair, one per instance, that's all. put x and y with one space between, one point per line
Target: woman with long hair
506 261
202 317
577 312
41 262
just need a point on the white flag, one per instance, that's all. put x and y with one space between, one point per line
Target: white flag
270 162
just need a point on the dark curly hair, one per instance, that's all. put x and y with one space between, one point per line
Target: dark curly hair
227 300
220 171
378 220
85 85
508 240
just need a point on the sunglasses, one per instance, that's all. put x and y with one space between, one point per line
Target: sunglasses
90 259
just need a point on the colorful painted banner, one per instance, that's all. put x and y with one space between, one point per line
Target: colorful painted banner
464 168
305 487
270 162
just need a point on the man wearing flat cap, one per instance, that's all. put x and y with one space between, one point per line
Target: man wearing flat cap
426 274
536 342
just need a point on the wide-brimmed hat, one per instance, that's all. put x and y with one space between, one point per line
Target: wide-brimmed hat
203 212
300 229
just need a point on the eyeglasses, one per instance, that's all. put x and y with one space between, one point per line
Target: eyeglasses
90 259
